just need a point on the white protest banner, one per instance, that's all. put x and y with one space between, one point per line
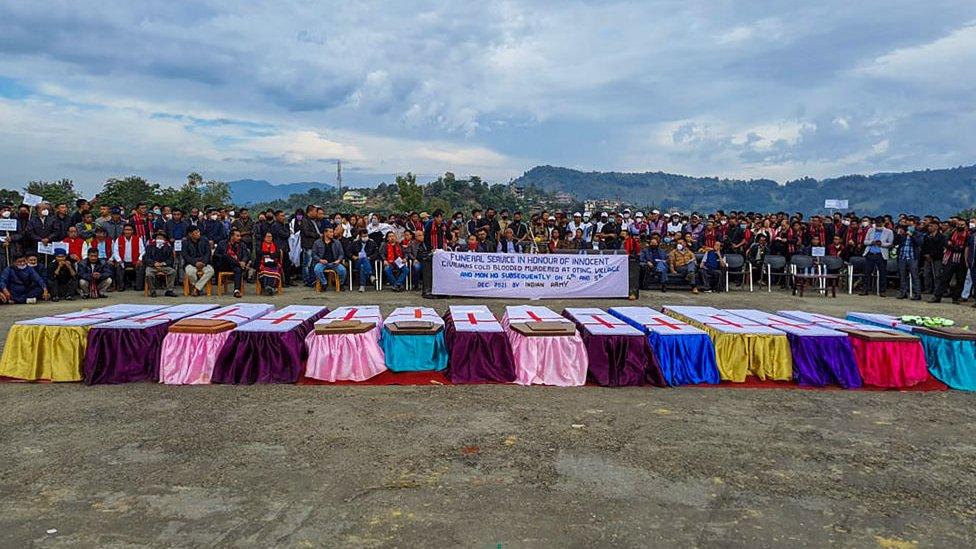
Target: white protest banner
51 248
32 199
177 245
831 204
8 224
530 275
818 251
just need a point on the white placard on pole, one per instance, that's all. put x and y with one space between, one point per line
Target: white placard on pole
833 204
8 224
32 199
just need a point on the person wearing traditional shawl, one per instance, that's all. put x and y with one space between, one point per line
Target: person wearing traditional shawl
954 261
21 284
232 256
129 251
268 262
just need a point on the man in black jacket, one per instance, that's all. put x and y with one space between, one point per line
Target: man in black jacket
94 275
60 223
159 260
280 232
362 253
930 256
196 256
39 229
232 256
310 233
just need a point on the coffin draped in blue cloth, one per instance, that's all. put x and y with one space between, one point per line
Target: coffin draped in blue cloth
414 352
685 354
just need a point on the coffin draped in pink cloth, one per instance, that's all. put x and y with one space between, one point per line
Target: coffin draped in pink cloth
188 359
548 360
889 364
346 357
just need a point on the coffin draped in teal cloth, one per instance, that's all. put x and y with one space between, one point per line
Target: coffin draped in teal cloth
952 362
414 353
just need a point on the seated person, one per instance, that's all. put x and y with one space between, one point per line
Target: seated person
129 251
653 262
94 275
681 261
76 245
631 243
473 245
418 250
756 254
394 266
268 264
327 255
39 268
231 256
20 283
363 253
712 264
159 261
63 282
196 258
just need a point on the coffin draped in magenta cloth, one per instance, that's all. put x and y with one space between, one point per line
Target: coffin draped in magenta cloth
890 364
53 347
619 355
269 349
189 358
478 347
684 353
346 357
821 356
128 350
742 347
545 360
413 352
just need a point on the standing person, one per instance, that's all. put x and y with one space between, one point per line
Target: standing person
60 223
280 234
394 266
933 246
94 276
954 262
141 223
328 255
197 254
213 227
39 229
436 231
308 228
82 207
908 244
129 251
877 242
159 260
232 255
362 253
114 224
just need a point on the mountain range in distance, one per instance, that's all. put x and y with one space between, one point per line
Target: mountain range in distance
941 192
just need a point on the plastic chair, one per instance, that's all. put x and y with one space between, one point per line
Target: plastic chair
771 263
736 265
855 266
798 263
832 263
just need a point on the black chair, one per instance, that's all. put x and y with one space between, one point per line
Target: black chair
735 265
773 263
855 266
834 264
891 273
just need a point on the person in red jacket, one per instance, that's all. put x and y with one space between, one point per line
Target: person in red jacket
394 265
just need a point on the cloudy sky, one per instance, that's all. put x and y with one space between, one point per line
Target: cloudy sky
280 89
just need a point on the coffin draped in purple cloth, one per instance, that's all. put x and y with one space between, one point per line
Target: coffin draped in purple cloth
478 346
821 356
619 354
270 349
128 350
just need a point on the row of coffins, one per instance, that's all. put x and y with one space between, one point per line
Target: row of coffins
531 344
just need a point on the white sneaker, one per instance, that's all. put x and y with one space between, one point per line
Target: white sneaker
31 300
362 288
372 279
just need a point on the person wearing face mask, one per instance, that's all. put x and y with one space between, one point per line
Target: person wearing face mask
159 261
955 260
681 261
213 227
40 228
908 245
12 241
363 253
21 284
876 243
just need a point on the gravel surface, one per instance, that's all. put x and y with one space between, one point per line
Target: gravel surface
488 466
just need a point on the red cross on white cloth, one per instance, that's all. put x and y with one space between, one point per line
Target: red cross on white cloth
286 318
229 313
661 322
150 318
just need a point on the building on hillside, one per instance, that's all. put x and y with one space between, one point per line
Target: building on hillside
603 205
518 192
354 198
562 198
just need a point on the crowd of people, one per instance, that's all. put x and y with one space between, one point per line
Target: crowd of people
104 248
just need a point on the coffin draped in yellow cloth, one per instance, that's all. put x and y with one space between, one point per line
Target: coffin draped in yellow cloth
764 354
44 352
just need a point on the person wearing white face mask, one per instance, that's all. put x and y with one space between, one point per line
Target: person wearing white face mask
681 261
40 229
158 260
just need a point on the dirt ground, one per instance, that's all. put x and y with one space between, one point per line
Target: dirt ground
488 466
